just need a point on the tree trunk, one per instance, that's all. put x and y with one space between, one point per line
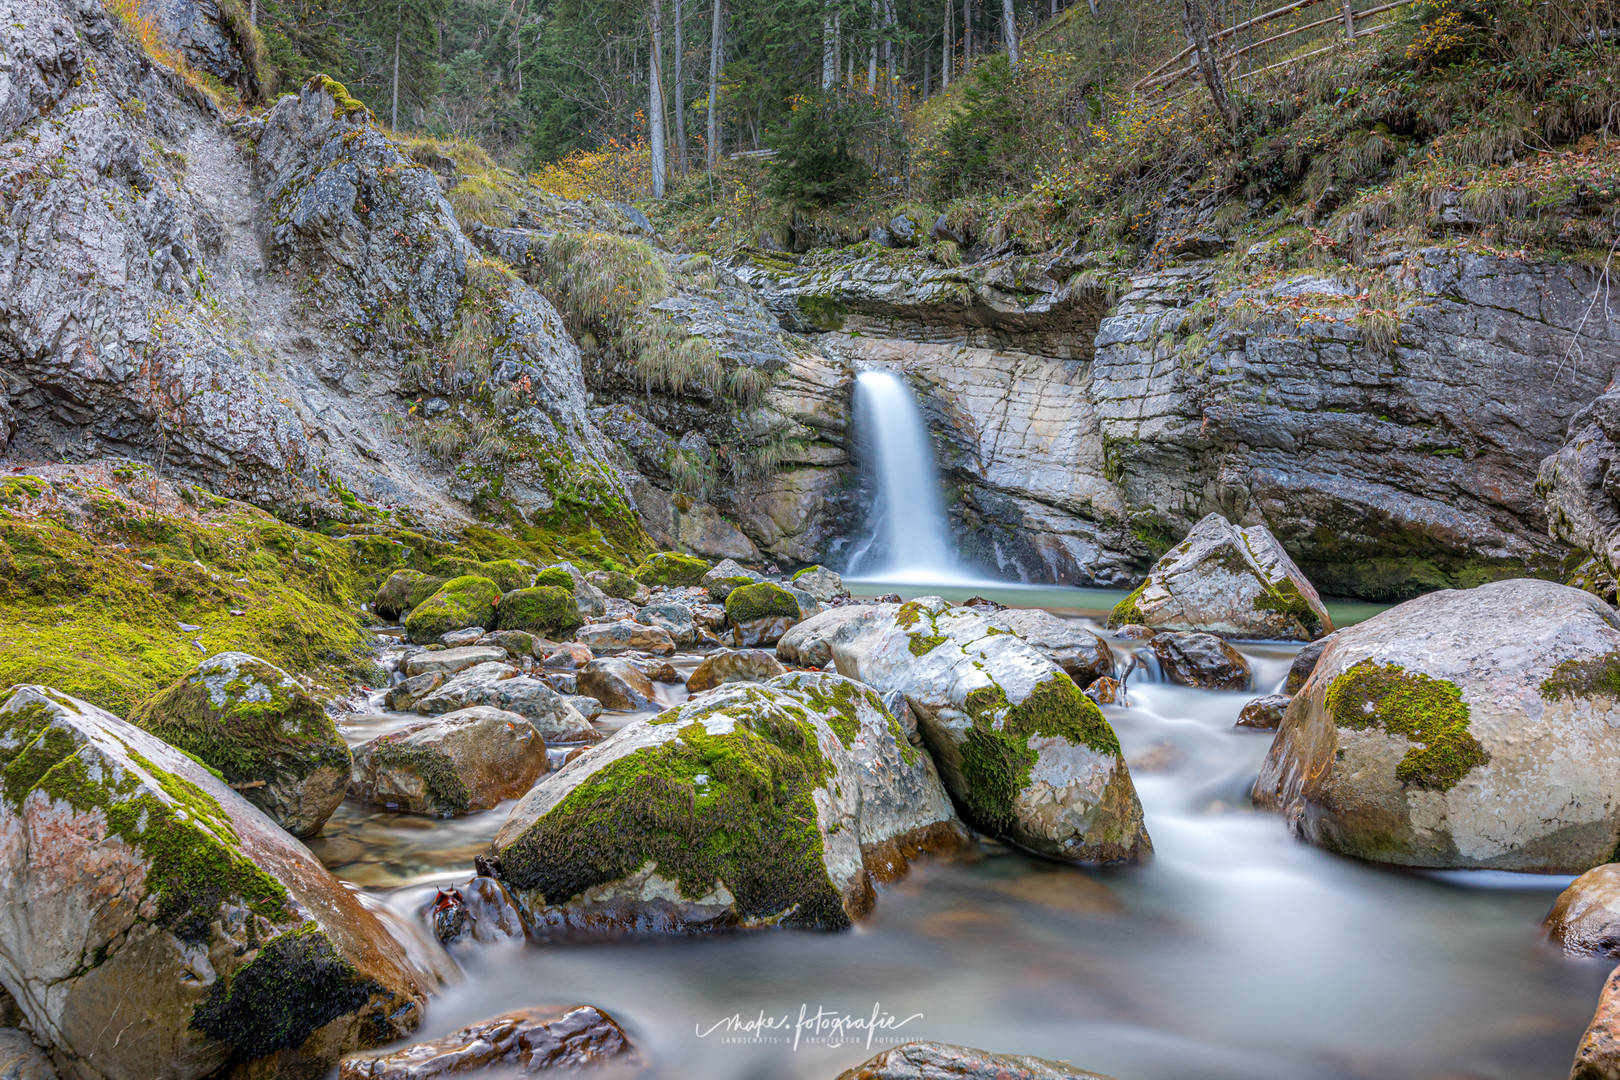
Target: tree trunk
713 133
1348 7
655 102
928 73
967 34
829 46
871 63
253 12
946 53
680 95
1195 23
399 29
1009 26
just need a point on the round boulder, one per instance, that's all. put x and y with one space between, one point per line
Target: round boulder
727 666
670 568
1585 920
461 761
459 603
403 590
546 610
1264 713
1202 660
760 614
1471 728
617 684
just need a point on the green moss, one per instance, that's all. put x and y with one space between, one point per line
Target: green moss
460 603
722 588
346 104
671 568
735 807
761 600
555 577
911 613
1596 676
617 584
808 570
1128 611
923 644
437 770
505 573
824 312
403 590
295 984
1424 710
996 758
195 863
838 705
1286 599
545 610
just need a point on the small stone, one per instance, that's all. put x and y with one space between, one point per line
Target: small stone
568 656
1106 691
1264 713
457 638
527 1042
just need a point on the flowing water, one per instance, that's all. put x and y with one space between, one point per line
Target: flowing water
1236 952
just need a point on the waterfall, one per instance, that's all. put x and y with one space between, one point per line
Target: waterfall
907 538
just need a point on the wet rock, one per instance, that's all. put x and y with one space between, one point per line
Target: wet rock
466 760
493 916
671 568
808 605
1133 632
590 601
1106 691
1027 756
450 661
106 930
1227 580
1069 645
256 725
517 644
458 604
942 1061
1585 919
568 656
823 584
674 619
405 696
728 666
455 639
810 643
403 590
617 684
21 1059
1304 663
1466 728
760 614
545 609
588 707
727 576
617 584
1598 1055
1202 660
529 1042
762 766
1264 713
655 668
611 638
499 686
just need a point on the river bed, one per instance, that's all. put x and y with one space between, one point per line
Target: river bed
1237 952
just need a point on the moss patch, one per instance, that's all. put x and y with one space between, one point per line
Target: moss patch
545 610
403 590
671 568
617 584
1597 676
460 603
295 984
735 807
505 573
996 758
555 577
1422 709
761 600
1128 612
1285 598
436 769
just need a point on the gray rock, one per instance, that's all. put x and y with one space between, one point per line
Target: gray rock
455 639
461 761
727 575
405 696
528 1042
942 1061
21 1059
516 644
617 684
450 661
821 583
1201 660
674 619
588 707
728 666
1069 645
1467 728
810 643
612 638
1304 663
501 687
592 601
903 231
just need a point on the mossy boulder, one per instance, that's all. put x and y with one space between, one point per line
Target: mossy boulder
616 583
591 601
1065 642
736 809
1026 755
462 761
459 603
507 573
760 614
556 577
670 568
1473 728
1236 582
545 609
727 576
146 897
403 590
255 725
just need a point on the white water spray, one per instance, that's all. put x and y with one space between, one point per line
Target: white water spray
907 540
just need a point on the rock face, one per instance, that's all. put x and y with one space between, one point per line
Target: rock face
529 1042
1229 581
942 1061
1466 728
1026 755
1585 919
466 760
626 837
140 892
1084 655
251 721
1201 660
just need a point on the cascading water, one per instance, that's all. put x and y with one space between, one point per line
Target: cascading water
907 537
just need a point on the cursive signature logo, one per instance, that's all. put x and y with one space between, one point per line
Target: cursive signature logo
824 1027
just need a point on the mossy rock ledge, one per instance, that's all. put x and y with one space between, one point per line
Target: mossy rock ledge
1221 579
248 719
739 809
458 604
1026 755
140 863
1469 728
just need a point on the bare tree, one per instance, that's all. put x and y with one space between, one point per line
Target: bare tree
655 95
829 45
680 94
1009 25
947 53
1196 23
715 41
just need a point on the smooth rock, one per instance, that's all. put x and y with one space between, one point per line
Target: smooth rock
568 656
728 666
528 1042
1466 728
405 696
455 639
1203 660
1585 919
1264 713
1304 663
823 584
1598 1055
674 619
611 638
501 687
517 644
810 643
1069 645
617 684
461 761
942 1061
451 661
1106 691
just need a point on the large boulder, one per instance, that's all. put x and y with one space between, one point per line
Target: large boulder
736 809
760 614
1585 919
591 601
546 610
528 1042
622 635
670 568
729 666
1068 644
466 760
458 604
810 643
942 1061
499 686
1222 579
140 894
248 719
823 584
617 584
1203 660
617 684
403 590
1466 728
1027 756
727 575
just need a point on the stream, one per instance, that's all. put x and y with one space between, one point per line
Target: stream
1236 952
